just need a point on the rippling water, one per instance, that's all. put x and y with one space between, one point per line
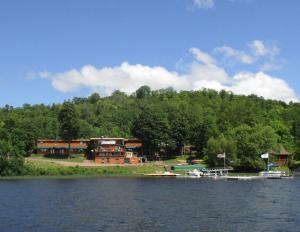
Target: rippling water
149 204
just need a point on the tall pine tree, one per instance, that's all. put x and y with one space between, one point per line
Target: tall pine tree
68 123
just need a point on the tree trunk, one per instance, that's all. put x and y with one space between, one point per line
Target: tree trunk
182 150
69 150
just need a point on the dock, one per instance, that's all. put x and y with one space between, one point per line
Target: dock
166 174
244 177
208 172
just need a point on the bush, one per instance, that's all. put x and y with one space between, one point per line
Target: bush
249 164
11 166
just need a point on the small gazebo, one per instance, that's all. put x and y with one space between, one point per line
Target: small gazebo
280 155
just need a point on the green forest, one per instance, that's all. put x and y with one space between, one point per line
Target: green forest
164 120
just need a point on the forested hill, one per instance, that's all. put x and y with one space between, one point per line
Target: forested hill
243 126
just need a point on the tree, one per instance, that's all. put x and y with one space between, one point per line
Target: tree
11 162
202 129
143 91
251 143
296 133
152 128
68 123
220 145
94 98
179 128
85 129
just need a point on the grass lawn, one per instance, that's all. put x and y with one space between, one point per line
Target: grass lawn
282 168
78 159
177 160
42 168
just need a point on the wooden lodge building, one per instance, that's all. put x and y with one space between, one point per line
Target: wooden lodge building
101 150
133 150
60 148
114 150
107 150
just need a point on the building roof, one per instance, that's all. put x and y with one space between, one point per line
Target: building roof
106 138
133 144
61 140
43 144
82 143
279 151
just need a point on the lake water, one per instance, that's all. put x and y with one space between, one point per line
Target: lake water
149 204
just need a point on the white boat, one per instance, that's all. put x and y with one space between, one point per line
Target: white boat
194 173
214 173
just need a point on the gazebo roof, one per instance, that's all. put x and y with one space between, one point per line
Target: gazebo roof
279 151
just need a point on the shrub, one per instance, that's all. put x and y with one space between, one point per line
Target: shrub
11 165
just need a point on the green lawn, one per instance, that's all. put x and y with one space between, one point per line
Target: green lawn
177 160
42 168
78 159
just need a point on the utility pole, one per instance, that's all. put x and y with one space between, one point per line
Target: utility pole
268 162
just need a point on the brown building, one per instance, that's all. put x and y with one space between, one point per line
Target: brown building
114 150
133 147
108 150
102 150
280 155
133 151
60 148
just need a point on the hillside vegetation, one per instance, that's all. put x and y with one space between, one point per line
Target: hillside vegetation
242 126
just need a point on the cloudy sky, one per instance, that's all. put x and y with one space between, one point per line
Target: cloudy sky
55 50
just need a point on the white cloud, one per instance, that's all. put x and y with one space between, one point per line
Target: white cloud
202 56
204 4
203 72
239 56
264 85
261 53
270 67
209 4
125 77
205 69
259 48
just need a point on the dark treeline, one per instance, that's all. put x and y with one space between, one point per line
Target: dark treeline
242 126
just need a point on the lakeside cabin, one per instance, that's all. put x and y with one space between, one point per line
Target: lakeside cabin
133 151
60 148
114 150
107 150
280 155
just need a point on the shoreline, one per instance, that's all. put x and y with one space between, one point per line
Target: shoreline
37 169
3 178
110 175
42 169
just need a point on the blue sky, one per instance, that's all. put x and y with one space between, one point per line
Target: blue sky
54 50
